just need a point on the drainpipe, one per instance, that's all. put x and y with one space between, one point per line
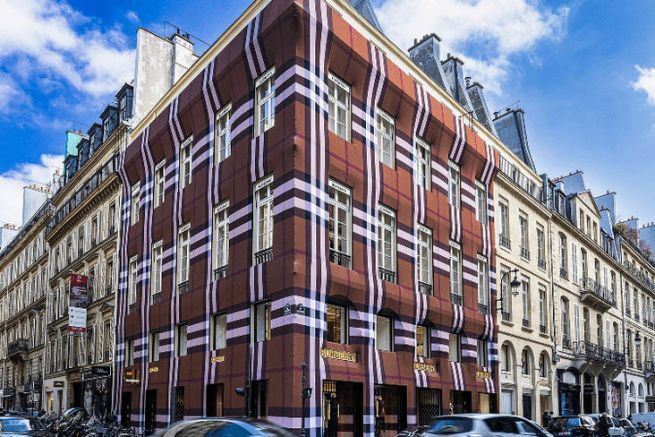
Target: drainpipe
554 396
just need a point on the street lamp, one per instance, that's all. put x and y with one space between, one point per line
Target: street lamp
305 393
514 286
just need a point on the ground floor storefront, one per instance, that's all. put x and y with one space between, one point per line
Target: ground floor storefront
583 392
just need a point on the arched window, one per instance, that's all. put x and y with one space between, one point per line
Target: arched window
640 390
543 365
506 357
525 362
632 389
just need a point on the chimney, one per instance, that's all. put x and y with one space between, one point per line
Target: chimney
33 198
183 56
453 68
480 108
7 233
425 54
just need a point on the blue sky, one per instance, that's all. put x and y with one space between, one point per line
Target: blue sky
572 65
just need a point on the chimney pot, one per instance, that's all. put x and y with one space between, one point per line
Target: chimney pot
468 80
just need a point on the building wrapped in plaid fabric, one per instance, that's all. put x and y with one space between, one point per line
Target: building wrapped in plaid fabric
308 232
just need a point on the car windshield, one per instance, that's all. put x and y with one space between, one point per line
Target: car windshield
15 424
451 425
573 422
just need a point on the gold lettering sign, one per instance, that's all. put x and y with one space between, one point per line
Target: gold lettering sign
153 369
218 359
339 355
132 381
425 367
482 374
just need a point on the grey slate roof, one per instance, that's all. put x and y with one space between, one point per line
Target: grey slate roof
366 10
510 126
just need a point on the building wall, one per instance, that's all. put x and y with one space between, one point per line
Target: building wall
302 155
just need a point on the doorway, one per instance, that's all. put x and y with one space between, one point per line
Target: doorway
527 406
460 401
428 405
214 400
151 410
390 409
507 402
342 408
126 410
602 395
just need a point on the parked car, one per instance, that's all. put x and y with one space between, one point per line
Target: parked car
484 425
574 426
225 427
15 425
615 429
415 431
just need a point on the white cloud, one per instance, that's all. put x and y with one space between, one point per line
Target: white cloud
646 82
132 16
64 43
13 181
483 33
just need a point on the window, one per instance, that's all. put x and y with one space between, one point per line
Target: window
422 163
525 362
454 348
525 242
525 298
160 181
541 247
506 303
422 341
80 240
483 286
339 99
424 258
223 133
585 264
563 272
221 239
153 345
183 257
179 404
543 365
132 280
504 225
185 162
385 134
219 331
340 223
542 309
181 340
455 275
265 102
134 203
337 319
481 203
615 327
453 186
384 333
483 354
156 274
387 243
574 262
261 322
576 317
506 358
263 219
129 353
566 330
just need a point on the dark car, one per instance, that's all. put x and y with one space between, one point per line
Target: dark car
573 426
11 425
225 427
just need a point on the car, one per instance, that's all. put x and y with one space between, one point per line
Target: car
477 424
225 427
615 429
15 425
574 426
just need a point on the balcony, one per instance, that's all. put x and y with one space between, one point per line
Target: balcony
425 288
563 273
340 258
505 242
542 329
387 275
525 253
456 299
507 316
220 272
264 255
596 295
483 308
17 349
595 354
525 323
541 263
183 287
156 298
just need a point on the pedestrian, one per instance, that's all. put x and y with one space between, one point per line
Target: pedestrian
545 419
604 425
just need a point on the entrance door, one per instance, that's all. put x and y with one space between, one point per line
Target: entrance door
507 402
126 410
460 401
214 400
428 405
342 408
151 410
602 395
390 409
527 406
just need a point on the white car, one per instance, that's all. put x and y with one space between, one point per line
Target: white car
477 425
615 429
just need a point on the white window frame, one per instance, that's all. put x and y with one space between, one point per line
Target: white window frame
133 277
336 106
425 353
455 269
129 352
525 299
337 205
153 346
186 163
260 328
160 183
543 306
454 348
381 334
524 232
343 323
263 204
221 227
135 199
482 353
264 121
181 340
481 207
223 137
483 282
219 331
183 253
424 254
382 137
383 228
156 270
422 163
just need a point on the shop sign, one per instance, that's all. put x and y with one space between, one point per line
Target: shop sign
78 302
217 359
482 374
58 384
131 377
101 370
153 370
336 354
650 399
425 367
